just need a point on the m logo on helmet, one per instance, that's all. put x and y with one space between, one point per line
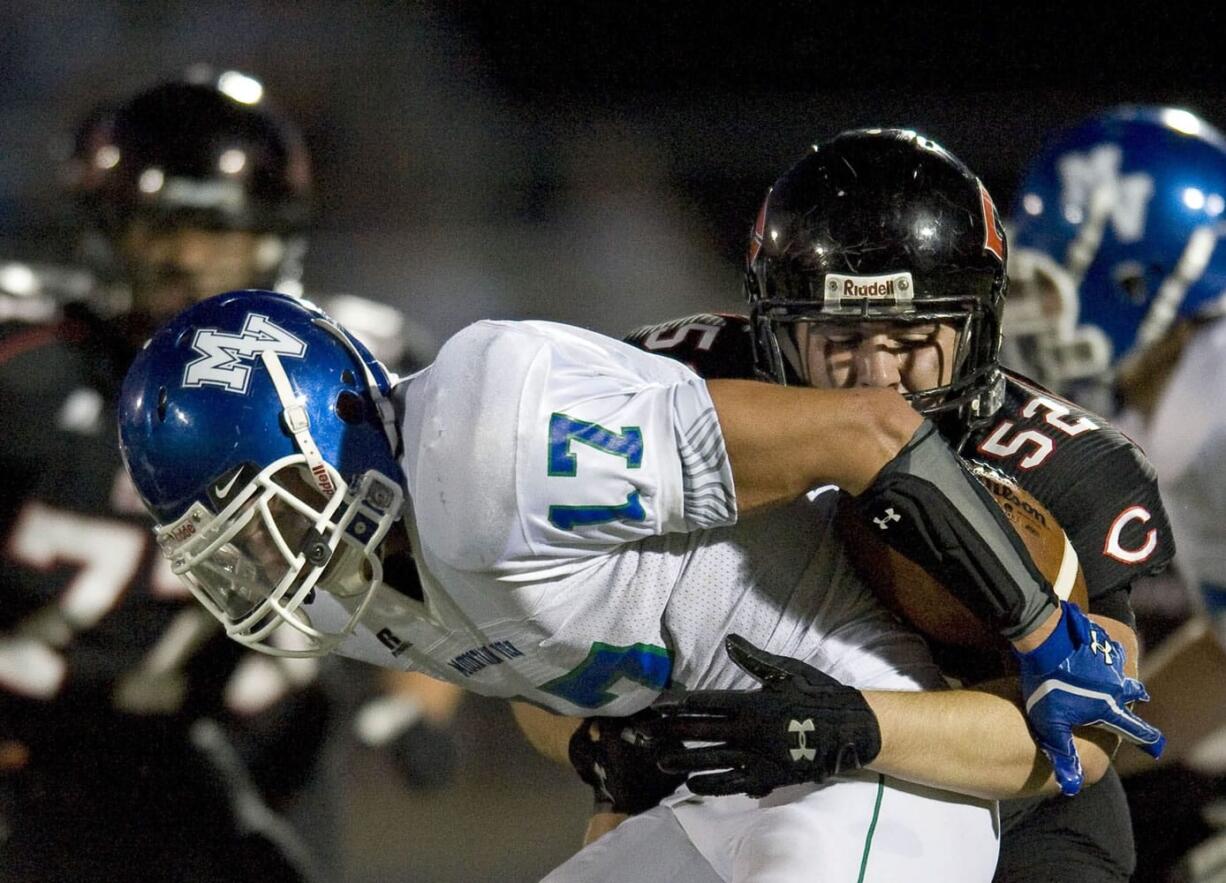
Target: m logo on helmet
226 359
1095 191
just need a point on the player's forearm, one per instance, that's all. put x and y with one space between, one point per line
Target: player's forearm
972 741
977 741
548 733
783 441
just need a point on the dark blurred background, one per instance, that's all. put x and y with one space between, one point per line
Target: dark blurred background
592 163
584 161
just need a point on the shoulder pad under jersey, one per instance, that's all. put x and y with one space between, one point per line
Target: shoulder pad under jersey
1093 478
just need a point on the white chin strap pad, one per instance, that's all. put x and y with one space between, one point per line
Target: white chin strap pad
299 424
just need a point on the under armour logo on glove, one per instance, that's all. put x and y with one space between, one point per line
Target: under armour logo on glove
1074 679
802 751
801 726
884 521
1103 647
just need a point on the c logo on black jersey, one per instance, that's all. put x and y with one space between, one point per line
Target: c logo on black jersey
1114 547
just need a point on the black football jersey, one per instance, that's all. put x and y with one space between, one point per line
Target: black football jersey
1093 480
1091 477
716 345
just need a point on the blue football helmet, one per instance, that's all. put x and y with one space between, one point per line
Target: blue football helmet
1113 234
260 436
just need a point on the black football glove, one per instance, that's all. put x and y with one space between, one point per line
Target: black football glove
620 764
801 726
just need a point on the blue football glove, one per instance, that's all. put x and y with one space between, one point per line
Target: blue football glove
1075 678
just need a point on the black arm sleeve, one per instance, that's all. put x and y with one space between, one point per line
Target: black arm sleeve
927 506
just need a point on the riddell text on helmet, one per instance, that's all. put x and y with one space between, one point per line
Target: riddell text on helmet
894 286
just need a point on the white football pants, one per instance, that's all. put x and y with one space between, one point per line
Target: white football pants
854 830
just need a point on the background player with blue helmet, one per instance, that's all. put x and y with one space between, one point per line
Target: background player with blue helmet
1114 232
1116 299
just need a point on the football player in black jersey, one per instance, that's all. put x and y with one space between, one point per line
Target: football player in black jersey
849 284
136 742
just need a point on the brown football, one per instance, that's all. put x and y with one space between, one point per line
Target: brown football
930 607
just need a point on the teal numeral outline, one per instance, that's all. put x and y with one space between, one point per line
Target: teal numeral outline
563 430
628 444
566 517
587 684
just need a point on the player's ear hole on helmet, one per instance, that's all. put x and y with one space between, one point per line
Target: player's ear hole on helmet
350 407
1130 276
399 568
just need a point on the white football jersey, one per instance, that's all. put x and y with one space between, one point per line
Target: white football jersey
1186 441
573 523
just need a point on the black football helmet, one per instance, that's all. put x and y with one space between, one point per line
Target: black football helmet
203 151
882 225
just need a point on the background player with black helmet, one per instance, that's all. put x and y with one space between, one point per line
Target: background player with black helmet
188 188
874 262
127 717
1116 298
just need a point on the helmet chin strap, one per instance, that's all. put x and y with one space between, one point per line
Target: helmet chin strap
299 424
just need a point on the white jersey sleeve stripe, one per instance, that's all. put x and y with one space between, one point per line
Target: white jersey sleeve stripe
706 474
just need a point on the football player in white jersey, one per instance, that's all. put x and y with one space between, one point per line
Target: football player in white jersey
1117 299
548 514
